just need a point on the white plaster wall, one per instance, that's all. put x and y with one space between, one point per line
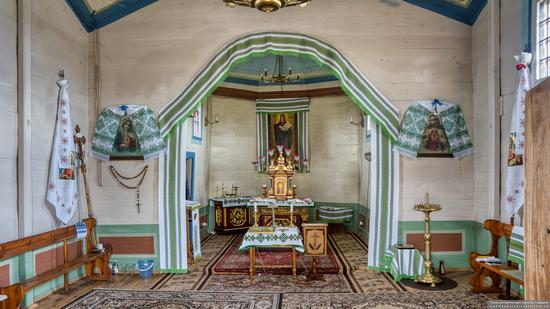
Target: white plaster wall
409 53
333 147
58 42
8 119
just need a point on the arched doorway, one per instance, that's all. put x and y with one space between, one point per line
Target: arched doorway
384 167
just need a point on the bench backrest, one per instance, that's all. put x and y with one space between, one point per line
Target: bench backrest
20 246
498 230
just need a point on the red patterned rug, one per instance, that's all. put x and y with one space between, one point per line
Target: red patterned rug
235 262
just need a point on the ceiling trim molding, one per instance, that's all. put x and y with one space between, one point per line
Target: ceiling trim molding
254 95
91 21
459 13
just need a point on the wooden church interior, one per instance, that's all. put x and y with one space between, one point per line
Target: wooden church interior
274 153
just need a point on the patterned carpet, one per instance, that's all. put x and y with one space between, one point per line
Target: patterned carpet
120 299
349 250
235 262
354 286
427 300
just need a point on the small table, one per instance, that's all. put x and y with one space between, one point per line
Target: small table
190 206
281 237
404 263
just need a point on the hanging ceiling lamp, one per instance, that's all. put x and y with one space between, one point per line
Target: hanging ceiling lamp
266 6
280 74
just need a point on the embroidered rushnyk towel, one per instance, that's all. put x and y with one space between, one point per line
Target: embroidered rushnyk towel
515 253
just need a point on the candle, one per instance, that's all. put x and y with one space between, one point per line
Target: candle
350 119
255 207
217 118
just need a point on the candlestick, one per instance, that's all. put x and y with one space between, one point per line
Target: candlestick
428 277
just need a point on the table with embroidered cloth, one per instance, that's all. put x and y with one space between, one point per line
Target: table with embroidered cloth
279 237
231 215
404 263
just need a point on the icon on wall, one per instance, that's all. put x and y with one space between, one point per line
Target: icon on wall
434 140
126 142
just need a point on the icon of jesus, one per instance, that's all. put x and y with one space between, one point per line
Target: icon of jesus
283 132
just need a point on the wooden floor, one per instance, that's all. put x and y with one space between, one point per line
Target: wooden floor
83 286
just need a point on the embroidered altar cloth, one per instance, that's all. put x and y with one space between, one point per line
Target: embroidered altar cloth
296 202
233 201
282 237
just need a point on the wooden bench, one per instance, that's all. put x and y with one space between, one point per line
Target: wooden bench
495 272
96 263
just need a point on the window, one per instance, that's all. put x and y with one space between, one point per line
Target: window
190 176
542 38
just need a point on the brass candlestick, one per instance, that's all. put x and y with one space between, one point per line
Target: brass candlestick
428 277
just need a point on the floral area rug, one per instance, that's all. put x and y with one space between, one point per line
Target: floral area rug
349 252
404 300
121 299
235 262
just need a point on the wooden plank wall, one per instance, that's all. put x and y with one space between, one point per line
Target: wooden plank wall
537 195
409 53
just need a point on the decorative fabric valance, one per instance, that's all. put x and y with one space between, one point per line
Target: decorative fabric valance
283 105
144 126
415 123
264 108
384 189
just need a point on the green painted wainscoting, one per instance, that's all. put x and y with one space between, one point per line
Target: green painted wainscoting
131 230
23 266
474 238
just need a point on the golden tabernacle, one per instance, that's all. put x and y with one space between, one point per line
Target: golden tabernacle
280 173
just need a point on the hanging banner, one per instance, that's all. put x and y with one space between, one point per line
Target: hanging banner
515 179
62 190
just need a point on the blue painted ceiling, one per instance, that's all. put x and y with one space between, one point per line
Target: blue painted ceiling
248 72
465 11
94 14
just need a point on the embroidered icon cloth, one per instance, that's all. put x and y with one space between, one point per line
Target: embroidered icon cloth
144 124
415 122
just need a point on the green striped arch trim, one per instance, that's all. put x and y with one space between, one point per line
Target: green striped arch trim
284 105
352 81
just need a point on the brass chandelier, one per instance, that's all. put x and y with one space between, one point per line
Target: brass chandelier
280 74
266 6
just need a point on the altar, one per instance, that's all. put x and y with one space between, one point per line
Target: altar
278 237
232 214
292 210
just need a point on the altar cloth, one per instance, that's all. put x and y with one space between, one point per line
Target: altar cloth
232 201
282 237
296 202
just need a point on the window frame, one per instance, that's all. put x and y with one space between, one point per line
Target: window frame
534 28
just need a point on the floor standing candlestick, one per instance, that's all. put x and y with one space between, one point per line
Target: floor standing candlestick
428 277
